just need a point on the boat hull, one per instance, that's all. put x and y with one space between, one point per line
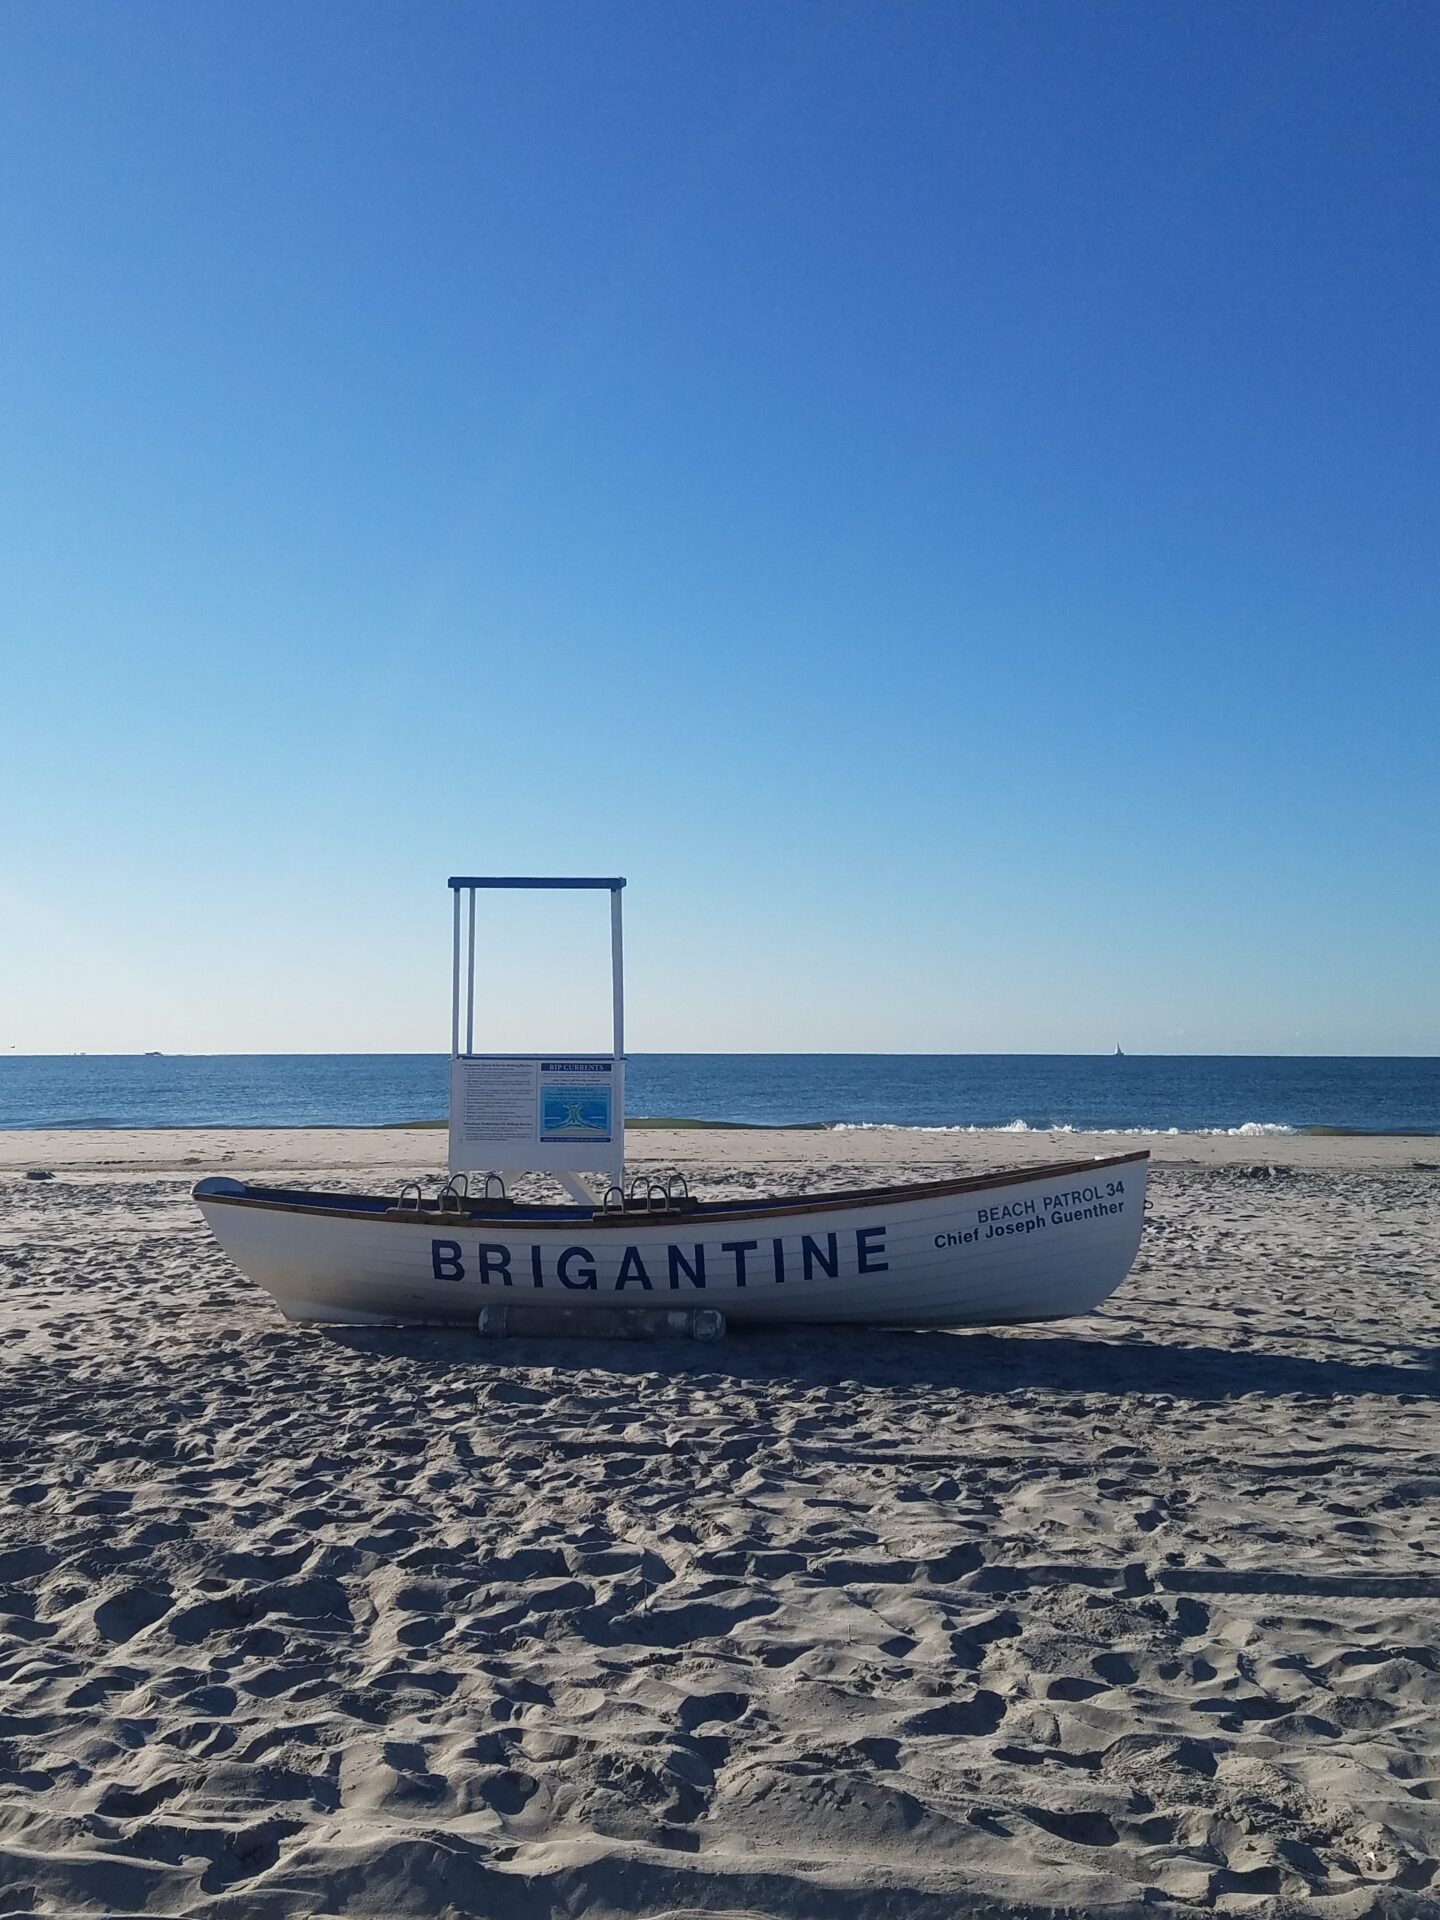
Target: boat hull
1034 1244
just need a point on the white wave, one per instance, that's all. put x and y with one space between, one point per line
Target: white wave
905 1126
985 1126
1251 1129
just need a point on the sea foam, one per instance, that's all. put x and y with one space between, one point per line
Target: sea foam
1249 1129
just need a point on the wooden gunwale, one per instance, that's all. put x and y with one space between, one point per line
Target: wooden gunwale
706 1210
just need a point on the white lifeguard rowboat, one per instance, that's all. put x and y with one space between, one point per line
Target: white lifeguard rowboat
1032 1244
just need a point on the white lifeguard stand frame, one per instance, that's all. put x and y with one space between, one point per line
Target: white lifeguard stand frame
562 1114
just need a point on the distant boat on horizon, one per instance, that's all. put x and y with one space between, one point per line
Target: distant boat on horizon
1118 1054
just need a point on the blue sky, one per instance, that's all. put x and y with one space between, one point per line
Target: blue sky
943 497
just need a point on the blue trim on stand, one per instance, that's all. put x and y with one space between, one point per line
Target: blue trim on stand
460 881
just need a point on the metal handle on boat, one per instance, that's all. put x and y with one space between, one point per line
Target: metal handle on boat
415 1204
451 1198
499 1180
613 1201
674 1181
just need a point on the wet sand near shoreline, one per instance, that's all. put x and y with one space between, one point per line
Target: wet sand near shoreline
1121 1614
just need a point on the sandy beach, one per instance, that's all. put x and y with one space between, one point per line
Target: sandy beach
1127 1614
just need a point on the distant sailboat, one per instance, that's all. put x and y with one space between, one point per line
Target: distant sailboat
1119 1055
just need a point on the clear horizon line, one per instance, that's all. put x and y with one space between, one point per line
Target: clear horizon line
709 1053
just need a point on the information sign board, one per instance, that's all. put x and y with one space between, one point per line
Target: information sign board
556 1114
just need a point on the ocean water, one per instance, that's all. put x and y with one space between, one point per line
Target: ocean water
1040 1091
